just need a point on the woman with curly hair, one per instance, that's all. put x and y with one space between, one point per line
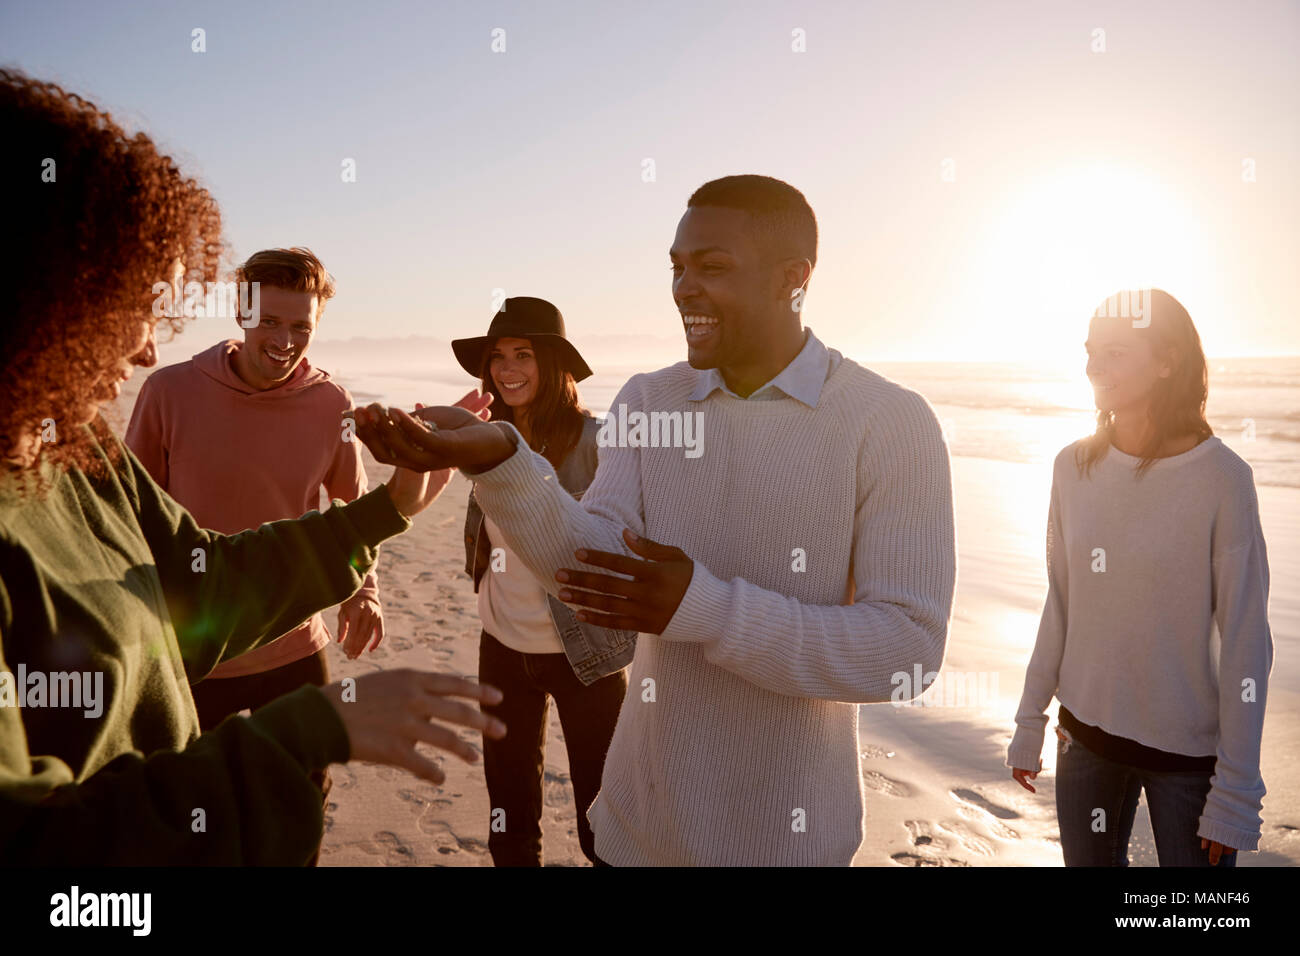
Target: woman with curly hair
112 599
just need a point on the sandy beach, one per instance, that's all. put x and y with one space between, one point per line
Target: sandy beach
936 792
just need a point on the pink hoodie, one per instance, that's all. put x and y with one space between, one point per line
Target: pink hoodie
237 457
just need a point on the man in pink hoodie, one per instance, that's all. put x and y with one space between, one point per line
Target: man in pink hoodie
248 432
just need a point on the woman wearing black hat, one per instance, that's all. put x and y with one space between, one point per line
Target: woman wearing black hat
532 646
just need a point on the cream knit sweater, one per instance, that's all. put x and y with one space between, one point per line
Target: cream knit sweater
737 742
1155 626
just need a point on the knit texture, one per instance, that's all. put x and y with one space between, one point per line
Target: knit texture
737 743
1155 626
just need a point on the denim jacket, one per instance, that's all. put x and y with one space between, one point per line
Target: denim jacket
593 652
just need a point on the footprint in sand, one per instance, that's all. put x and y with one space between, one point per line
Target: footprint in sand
448 840
342 777
877 781
929 848
390 846
967 837
979 800
977 815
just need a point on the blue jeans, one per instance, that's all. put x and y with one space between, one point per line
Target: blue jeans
1087 783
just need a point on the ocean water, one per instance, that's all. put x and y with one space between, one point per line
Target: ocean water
1003 411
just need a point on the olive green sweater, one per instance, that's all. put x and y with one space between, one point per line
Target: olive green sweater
110 582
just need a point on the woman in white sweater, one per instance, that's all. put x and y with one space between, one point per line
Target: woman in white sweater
1154 636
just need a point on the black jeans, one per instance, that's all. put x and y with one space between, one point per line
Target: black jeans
514 765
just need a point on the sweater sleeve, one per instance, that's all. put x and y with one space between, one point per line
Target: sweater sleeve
228 593
144 435
1043 674
1232 807
249 777
904 573
543 524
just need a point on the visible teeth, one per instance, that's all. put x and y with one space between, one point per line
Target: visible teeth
279 356
513 385
699 319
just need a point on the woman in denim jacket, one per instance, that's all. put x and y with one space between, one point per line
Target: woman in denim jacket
532 646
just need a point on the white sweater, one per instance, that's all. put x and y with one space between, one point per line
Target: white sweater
1170 644
737 743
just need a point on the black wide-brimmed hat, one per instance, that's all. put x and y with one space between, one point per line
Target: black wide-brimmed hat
522 317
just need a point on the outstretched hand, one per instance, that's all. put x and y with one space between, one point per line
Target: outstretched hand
387 713
414 486
457 438
646 603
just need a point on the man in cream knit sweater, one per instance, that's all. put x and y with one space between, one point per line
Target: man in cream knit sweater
782 573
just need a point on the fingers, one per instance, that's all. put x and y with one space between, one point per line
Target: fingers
475 401
621 563
424 768
357 633
610 604
1019 776
411 446
651 549
446 416
446 685
440 737
369 433
592 581
397 437
377 631
466 715
412 430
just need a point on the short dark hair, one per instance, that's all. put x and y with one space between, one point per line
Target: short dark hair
782 218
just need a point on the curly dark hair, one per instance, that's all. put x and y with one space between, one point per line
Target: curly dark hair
95 218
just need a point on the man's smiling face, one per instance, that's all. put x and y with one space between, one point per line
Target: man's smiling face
721 286
278 343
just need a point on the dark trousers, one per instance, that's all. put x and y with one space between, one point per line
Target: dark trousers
1087 783
514 766
216 699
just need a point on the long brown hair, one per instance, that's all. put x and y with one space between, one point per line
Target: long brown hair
1177 405
555 416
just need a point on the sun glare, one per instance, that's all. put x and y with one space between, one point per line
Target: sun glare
1054 249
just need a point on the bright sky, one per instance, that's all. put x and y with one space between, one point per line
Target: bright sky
1169 159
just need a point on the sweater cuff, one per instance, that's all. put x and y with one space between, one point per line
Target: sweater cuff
375 516
1026 751
502 473
1227 834
702 614
305 724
